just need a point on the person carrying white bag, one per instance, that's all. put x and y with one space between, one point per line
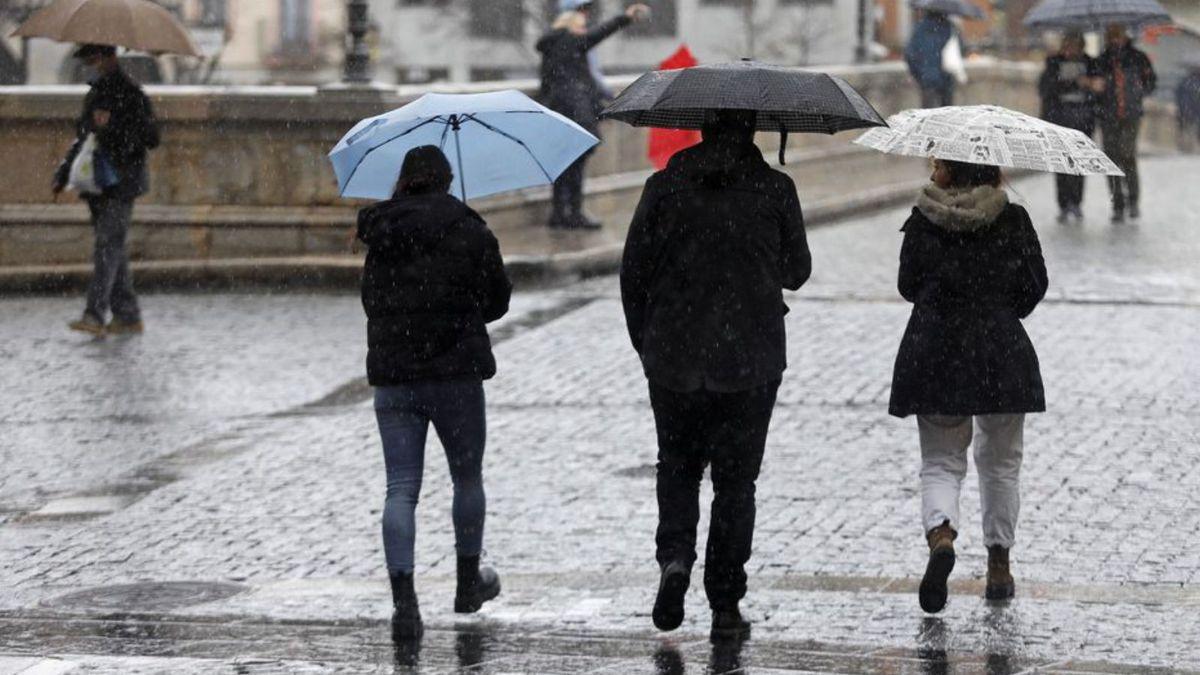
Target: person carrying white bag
106 166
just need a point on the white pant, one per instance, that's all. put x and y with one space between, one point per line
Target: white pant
999 445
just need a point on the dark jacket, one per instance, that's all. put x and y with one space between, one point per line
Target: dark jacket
716 238
1187 99
433 279
972 266
923 54
1063 100
568 85
1129 78
131 132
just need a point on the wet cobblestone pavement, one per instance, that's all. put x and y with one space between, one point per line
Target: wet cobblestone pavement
205 498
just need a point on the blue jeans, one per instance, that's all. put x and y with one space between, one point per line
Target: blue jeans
404 412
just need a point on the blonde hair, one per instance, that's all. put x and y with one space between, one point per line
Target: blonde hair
569 20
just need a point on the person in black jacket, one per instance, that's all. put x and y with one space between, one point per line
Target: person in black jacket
122 120
1187 102
1068 86
433 279
569 87
972 266
715 239
1129 78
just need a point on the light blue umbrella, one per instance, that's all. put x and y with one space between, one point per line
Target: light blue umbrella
498 141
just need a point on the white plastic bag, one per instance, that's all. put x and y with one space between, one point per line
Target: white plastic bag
952 60
82 178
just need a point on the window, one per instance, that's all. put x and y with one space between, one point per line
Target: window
663 21
500 19
212 13
295 25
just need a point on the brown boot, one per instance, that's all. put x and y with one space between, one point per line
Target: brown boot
1000 584
933 591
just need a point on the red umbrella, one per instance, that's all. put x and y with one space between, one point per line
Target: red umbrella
666 142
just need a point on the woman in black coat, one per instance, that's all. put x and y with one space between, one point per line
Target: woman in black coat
569 87
433 279
972 266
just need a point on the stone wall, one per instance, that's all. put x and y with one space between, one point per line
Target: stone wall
243 172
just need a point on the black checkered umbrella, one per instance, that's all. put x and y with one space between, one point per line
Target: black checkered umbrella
959 7
786 99
1083 14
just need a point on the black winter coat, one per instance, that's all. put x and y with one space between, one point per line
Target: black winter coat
433 279
130 133
1129 78
965 351
568 86
1063 100
716 238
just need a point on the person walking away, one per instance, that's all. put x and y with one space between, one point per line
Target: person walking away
972 266
715 239
120 116
1129 78
1067 87
433 279
923 54
1187 101
569 87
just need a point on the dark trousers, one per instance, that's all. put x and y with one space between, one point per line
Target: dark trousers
567 202
728 432
1121 144
1070 191
937 97
112 283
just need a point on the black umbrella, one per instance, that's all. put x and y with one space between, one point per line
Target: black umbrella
786 99
959 7
1080 14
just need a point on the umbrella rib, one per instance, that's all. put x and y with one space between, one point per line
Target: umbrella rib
376 147
514 139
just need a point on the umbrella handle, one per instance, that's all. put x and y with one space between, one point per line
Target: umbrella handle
462 179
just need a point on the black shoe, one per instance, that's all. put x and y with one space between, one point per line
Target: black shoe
476 585
728 624
406 614
933 591
1118 216
561 222
584 222
672 587
1134 211
1064 216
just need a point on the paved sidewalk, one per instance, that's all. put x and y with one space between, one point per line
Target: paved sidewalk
235 481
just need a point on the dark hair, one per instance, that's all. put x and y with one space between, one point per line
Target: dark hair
729 123
963 174
425 171
89 50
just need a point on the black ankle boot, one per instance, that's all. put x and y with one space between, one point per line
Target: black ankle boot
406 614
672 587
728 624
476 585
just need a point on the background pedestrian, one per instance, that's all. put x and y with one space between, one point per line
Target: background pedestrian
1187 101
1068 86
715 239
433 279
923 54
1128 79
120 118
972 266
570 87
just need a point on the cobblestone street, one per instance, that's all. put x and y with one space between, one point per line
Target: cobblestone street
234 446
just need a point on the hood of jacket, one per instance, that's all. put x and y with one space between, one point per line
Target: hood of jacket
714 165
411 219
962 209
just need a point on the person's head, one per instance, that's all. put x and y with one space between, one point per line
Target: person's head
1072 44
948 174
425 171
100 58
1116 35
729 125
572 21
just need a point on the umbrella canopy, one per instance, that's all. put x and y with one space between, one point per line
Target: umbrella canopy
786 99
1084 14
987 134
497 142
134 24
958 7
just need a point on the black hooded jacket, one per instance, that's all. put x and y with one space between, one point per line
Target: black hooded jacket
716 238
131 132
433 279
568 86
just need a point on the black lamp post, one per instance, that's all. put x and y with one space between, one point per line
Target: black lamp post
860 49
358 57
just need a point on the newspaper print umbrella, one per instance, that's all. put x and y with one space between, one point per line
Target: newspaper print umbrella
1085 14
135 24
958 7
987 134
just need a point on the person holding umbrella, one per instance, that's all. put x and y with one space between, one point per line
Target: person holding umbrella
1128 78
433 280
120 119
1067 87
570 87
